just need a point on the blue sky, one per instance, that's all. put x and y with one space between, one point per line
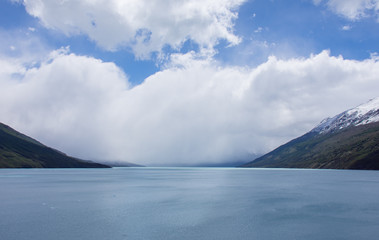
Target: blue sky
286 29
300 28
15 19
212 82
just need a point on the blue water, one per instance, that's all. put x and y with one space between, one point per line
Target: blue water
188 203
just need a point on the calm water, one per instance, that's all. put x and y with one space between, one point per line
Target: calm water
188 203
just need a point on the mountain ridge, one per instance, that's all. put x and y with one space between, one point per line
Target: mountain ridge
20 151
349 140
363 114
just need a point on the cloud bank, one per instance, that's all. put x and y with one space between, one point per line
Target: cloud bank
194 112
143 26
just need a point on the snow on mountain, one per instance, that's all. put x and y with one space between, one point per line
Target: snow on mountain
363 114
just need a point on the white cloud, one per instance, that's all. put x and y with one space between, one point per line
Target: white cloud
66 93
194 112
258 30
23 44
346 28
144 26
353 9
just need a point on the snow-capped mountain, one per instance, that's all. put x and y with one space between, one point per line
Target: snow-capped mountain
349 141
363 114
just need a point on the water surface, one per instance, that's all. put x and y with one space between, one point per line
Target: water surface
188 203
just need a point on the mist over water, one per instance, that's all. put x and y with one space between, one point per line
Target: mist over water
188 203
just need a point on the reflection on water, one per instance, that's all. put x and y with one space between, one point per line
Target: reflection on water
188 203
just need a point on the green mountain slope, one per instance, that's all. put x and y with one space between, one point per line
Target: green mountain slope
20 151
355 147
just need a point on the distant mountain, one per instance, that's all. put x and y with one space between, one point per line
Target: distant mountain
349 140
122 164
20 151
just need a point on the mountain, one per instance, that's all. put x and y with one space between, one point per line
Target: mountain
122 164
361 115
20 151
349 140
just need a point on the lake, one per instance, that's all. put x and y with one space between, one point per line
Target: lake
188 203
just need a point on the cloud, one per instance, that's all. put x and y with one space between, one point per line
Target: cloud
353 9
22 44
65 93
346 28
258 30
143 26
194 112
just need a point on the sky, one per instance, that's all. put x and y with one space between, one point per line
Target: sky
182 82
